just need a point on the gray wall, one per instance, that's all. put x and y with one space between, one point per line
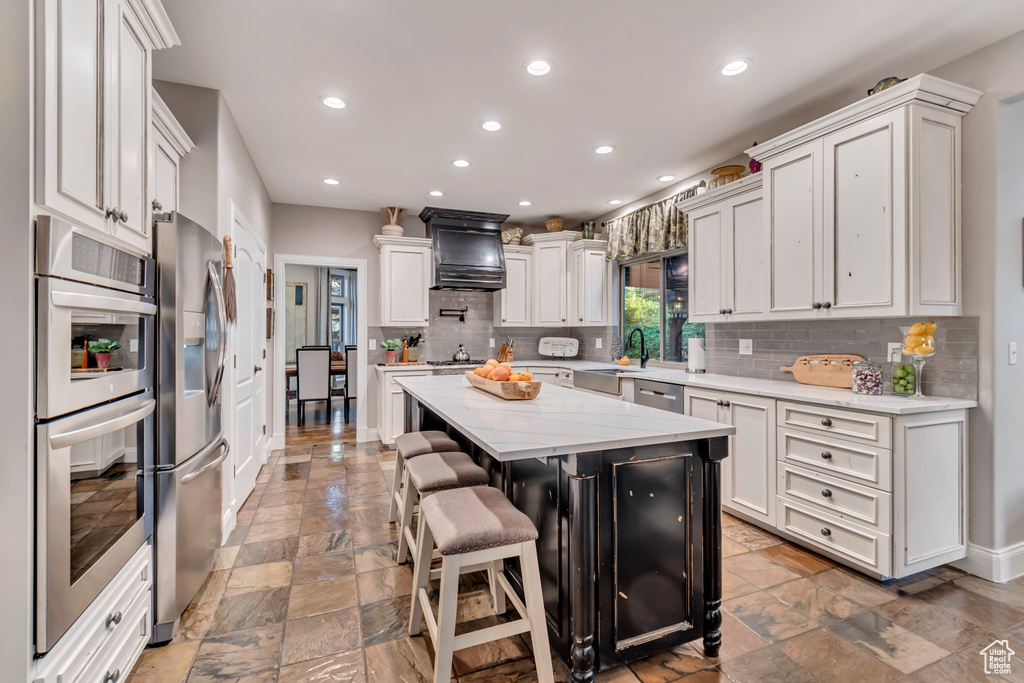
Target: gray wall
951 372
17 312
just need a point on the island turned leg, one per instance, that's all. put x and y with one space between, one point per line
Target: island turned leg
718 449
582 577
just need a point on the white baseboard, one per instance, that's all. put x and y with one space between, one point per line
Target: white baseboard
364 435
276 442
995 565
227 523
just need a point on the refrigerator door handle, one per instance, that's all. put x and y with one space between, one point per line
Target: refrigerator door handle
222 323
74 437
195 474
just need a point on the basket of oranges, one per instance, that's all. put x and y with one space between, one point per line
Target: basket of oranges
499 379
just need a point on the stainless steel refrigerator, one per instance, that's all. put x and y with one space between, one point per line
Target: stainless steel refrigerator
192 348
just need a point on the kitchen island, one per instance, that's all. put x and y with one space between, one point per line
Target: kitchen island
626 499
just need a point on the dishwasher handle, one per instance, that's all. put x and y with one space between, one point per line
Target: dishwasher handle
659 394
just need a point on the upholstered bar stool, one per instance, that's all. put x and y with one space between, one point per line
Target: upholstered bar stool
425 475
472 528
412 445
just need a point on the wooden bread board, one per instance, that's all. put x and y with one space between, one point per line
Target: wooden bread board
824 369
400 363
510 391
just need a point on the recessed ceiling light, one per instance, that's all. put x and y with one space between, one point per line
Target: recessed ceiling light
736 67
538 67
332 181
525 202
461 163
491 126
604 149
667 178
436 193
614 202
333 102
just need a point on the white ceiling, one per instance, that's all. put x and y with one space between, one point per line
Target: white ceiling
419 77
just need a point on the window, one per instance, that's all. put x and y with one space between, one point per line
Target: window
654 300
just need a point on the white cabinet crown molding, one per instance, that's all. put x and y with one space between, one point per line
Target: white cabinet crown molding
921 88
580 244
560 236
516 249
167 124
156 23
738 187
380 241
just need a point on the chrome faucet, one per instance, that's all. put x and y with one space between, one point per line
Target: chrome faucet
644 356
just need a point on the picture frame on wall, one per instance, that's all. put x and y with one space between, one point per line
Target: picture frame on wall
270 322
270 286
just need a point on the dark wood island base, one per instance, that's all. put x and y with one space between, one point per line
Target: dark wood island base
630 544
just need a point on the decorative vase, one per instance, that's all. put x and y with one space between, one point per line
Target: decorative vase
392 230
392 356
588 230
103 360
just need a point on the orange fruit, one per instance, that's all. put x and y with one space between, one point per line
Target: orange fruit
492 362
505 365
525 377
479 372
514 377
488 369
500 374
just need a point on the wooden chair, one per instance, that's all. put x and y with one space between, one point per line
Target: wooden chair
312 378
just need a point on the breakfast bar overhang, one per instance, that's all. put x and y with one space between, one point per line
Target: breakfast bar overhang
627 502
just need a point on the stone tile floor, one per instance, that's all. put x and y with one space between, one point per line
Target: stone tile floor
306 589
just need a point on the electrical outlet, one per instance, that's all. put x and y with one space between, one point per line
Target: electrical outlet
492 343
746 347
895 352
133 345
373 343
599 341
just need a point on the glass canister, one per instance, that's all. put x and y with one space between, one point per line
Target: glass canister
867 378
904 375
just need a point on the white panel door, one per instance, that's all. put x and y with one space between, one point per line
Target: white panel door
128 162
702 404
864 264
550 297
71 156
405 285
747 255
395 423
792 190
249 424
595 287
749 484
707 296
514 301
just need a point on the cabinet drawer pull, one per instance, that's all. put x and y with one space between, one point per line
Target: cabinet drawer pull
112 676
826 304
827 493
726 403
728 311
114 618
502 320
816 304
721 311
826 422
826 454
719 402
825 531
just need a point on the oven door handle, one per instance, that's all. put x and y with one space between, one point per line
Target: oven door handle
195 474
102 303
74 437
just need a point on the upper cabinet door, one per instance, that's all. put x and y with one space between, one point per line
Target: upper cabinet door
132 89
747 254
405 285
550 281
514 301
72 110
864 265
594 279
792 191
707 293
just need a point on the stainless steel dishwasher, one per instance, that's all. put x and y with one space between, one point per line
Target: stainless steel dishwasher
659 395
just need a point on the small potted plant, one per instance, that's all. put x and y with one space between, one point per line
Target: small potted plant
390 347
102 348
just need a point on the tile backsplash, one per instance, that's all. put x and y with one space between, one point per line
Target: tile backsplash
952 372
444 334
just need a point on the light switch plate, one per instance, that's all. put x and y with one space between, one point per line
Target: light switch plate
373 343
133 346
492 343
746 347
599 341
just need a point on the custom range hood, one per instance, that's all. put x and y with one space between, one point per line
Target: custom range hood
468 255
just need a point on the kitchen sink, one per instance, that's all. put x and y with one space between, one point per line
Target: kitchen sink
605 380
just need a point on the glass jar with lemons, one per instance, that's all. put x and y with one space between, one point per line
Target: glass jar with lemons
919 344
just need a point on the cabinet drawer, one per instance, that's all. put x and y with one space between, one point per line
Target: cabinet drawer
845 424
869 507
115 661
848 460
856 544
392 376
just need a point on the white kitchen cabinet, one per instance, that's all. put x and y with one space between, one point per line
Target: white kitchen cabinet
550 284
391 406
93 112
748 474
728 249
589 283
405 275
513 306
544 375
170 143
862 207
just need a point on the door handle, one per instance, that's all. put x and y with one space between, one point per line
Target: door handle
256 369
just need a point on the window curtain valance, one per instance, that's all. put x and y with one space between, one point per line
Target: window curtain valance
656 227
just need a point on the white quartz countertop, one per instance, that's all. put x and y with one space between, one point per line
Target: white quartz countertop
558 422
789 391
